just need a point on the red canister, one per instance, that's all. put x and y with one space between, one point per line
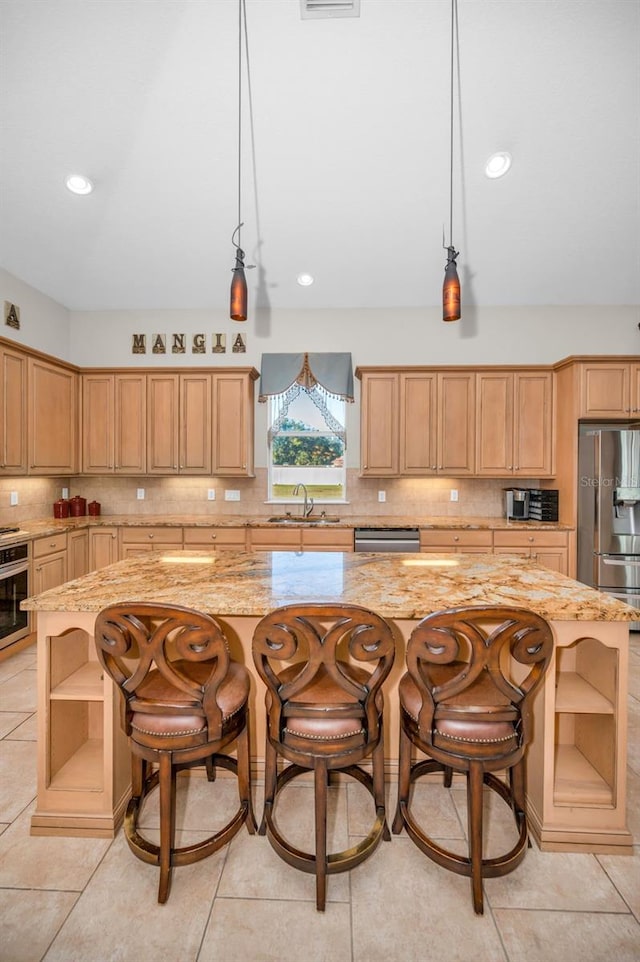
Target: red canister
61 508
78 506
94 508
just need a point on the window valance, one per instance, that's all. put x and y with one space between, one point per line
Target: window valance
333 372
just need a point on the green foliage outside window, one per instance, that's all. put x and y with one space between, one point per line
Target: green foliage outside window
307 447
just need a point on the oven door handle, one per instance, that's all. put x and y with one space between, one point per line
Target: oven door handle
16 568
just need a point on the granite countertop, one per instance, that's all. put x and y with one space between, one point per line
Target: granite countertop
396 585
42 527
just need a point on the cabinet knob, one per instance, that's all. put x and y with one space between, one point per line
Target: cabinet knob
530 538
213 537
434 467
509 467
151 536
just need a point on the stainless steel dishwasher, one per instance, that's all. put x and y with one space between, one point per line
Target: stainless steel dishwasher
386 539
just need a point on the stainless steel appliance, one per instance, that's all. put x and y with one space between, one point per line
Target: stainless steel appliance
516 503
14 588
387 539
609 511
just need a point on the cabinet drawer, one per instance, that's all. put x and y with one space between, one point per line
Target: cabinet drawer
270 538
526 539
455 539
340 538
212 536
45 546
146 535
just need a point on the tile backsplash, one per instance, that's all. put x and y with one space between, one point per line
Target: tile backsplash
419 497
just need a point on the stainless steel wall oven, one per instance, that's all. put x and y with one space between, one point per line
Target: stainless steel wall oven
14 588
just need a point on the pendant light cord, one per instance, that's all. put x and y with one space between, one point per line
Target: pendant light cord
453 18
240 12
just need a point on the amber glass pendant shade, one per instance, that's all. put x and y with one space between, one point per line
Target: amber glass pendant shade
451 288
238 303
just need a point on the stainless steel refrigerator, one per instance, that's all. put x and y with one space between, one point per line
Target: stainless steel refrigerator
609 511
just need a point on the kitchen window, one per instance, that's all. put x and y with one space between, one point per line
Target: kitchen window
306 438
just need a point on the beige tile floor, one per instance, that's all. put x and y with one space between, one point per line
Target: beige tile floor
71 900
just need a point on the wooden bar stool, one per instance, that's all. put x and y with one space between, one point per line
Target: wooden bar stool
184 700
462 707
323 666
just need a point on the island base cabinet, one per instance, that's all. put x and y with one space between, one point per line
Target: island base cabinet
84 767
576 783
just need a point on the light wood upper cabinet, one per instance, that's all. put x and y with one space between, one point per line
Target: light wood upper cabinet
52 392
609 389
514 424
379 424
163 421
114 423
195 424
417 422
456 423
232 422
13 412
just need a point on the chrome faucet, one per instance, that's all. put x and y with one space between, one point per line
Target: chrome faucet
307 506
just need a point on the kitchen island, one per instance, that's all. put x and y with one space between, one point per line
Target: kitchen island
577 760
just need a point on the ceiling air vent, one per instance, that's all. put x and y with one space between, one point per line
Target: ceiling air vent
326 9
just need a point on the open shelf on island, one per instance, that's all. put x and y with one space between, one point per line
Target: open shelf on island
86 684
83 771
575 694
577 782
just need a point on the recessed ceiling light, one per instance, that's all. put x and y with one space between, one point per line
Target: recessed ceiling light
498 164
78 184
305 280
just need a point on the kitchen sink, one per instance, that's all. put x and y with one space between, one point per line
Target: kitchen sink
297 519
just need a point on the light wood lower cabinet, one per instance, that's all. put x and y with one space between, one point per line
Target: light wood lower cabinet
548 548
275 539
577 764
83 754
103 547
49 567
222 539
467 542
301 538
138 540
77 554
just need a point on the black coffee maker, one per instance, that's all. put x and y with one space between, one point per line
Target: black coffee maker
516 504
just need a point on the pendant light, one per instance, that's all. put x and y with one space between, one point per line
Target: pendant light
451 285
238 299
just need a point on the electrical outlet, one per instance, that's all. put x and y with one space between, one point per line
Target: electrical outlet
382 495
140 494
65 493
13 497
454 494
232 496
211 494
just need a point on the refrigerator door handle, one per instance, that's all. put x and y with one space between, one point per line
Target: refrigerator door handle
624 562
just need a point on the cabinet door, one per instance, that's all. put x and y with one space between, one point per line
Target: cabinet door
103 547
195 423
605 390
533 424
13 414
52 419
232 412
635 388
223 538
97 423
379 420
456 423
555 558
130 416
77 554
494 424
162 423
418 449
49 572
275 539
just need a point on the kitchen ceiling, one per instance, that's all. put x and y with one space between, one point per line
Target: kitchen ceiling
346 152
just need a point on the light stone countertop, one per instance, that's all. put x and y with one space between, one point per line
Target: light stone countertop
395 585
42 527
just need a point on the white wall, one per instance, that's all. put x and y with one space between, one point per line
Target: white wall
500 335
44 324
